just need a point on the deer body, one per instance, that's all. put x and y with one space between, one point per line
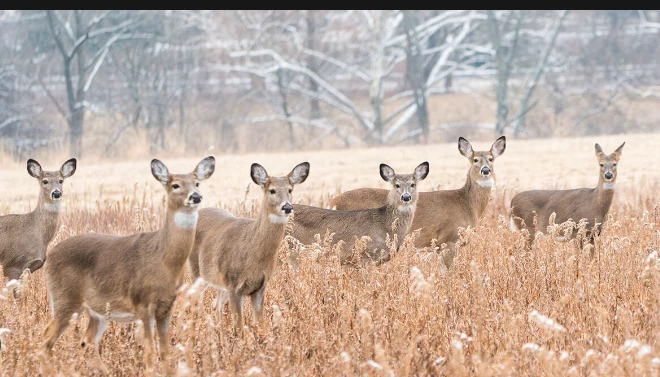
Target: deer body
127 278
24 238
399 205
591 204
439 214
237 255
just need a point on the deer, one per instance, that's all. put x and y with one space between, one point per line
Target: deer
440 213
127 278
375 223
24 238
237 256
591 204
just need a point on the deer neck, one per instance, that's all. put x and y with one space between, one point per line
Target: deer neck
46 217
604 195
177 238
404 215
268 231
477 194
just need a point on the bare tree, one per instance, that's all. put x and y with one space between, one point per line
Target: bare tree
83 39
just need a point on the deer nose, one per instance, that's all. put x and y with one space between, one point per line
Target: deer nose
406 197
287 208
608 175
195 198
57 194
485 170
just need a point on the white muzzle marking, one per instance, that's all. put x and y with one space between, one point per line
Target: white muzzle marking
406 207
186 220
608 185
486 182
53 207
278 219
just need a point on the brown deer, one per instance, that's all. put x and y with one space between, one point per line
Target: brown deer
237 256
127 278
440 213
24 238
375 223
591 204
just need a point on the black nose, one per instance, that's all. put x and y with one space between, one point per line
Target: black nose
485 170
57 194
406 197
196 198
608 175
287 208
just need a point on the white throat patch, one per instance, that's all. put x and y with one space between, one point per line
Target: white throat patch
608 185
53 207
406 207
486 182
186 220
278 219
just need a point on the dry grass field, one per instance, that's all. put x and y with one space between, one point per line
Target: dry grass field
499 311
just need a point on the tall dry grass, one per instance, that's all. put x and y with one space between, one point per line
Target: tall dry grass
500 310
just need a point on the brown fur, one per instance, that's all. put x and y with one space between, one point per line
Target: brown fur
129 278
439 213
24 238
238 255
591 204
375 223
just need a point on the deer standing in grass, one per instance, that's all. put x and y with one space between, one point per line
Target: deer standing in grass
24 238
237 256
440 213
376 223
127 278
591 204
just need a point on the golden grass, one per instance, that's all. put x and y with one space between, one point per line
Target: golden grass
500 310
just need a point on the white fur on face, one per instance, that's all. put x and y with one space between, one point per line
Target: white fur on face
186 220
486 182
512 224
278 219
53 207
406 207
608 185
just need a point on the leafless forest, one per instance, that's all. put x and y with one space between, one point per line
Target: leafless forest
123 84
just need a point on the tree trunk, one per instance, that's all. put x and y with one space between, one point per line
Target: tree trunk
76 131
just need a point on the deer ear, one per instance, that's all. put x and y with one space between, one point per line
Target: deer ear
421 171
465 147
299 173
68 168
34 169
258 174
205 168
498 146
387 173
617 152
599 150
160 172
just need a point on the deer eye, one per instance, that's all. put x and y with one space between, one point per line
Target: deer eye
61 181
397 185
290 190
272 191
614 164
175 186
45 182
490 159
476 160
197 184
412 185
601 165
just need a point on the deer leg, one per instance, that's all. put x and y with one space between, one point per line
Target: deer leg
236 302
14 273
221 299
147 318
95 329
163 315
257 299
449 255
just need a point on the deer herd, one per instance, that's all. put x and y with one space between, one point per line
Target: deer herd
137 277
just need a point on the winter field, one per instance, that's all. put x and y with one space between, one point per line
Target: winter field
500 310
